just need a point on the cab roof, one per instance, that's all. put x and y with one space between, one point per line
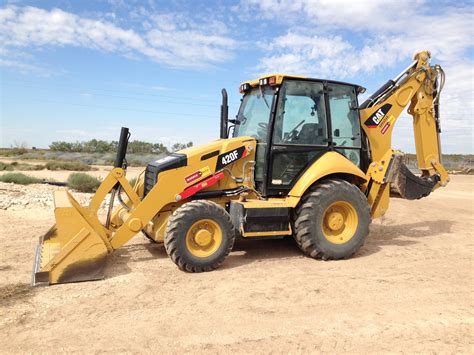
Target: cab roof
277 78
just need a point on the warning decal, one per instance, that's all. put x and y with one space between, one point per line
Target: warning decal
203 172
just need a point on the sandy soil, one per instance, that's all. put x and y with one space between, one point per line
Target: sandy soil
409 289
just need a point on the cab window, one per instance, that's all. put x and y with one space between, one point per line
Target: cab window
301 115
344 116
254 114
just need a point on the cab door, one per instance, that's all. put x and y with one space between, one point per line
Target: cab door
300 133
345 124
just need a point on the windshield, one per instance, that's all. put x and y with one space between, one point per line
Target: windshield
254 113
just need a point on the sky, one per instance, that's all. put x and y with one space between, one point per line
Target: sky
77 70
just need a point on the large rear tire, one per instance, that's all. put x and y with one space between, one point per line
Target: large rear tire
199 236
332 220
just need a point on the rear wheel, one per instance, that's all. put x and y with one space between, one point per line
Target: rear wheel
199 236
332 220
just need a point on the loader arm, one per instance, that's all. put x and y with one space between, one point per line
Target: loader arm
417 87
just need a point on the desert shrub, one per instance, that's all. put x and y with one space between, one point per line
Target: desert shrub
19 148
67 165
30 167
6 152
5 167
134 162
14 165
19 178
179 146
83 182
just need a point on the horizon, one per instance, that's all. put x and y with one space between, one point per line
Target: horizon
73 71
168 146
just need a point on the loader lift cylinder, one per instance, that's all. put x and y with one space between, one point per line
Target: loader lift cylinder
122 147
119 159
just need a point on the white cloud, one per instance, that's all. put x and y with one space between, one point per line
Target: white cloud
323 40
361 14
448 38
163 42
392 31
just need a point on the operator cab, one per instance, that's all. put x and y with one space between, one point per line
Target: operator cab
295 121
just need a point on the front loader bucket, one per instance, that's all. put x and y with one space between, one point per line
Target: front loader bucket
75 248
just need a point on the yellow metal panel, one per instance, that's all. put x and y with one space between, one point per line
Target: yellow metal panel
270 203
381 203
267 233
172 182
157 228
330 163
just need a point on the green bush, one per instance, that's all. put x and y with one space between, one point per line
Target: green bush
29 167
19 166
19 151
5 167
100 146
83 182
19 178
67 165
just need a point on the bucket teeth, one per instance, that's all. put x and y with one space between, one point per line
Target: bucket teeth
38 275
48 252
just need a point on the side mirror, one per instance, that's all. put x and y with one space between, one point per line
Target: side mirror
337 133
224 114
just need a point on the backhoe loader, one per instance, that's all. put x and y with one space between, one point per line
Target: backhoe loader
302 158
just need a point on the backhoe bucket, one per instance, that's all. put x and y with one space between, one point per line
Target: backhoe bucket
75 248
405 184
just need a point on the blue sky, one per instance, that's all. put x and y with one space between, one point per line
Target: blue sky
76 70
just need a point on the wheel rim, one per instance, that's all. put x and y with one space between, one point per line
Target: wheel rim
203 238
339 222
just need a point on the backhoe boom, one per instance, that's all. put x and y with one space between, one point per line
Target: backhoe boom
419 87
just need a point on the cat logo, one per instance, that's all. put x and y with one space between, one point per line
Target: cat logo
374 120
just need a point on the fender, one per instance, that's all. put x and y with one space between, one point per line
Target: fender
330 163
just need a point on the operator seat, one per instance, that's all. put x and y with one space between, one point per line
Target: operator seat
310 133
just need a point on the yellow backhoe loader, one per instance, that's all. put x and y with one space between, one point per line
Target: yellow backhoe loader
304 159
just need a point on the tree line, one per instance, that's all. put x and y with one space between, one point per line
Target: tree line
101 146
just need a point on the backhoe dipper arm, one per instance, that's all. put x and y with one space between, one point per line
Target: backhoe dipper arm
418 86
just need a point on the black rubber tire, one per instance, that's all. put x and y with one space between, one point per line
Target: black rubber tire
180 222
308 215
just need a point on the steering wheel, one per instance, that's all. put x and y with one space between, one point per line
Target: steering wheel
290 137
293 133
263 125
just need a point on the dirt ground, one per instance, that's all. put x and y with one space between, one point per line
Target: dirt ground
409 289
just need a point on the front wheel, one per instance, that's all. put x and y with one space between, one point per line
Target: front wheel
332 220
199 236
